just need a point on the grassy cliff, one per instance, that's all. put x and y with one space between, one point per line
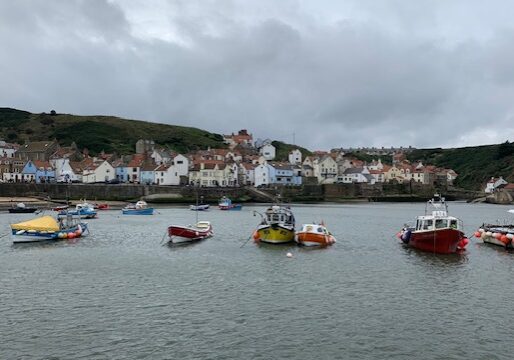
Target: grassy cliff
283 150
99 133
475 165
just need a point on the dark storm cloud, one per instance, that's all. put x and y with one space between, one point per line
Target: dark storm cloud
361 79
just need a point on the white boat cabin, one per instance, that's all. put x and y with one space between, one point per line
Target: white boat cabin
280 215
430 223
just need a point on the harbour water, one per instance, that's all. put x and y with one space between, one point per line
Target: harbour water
120 294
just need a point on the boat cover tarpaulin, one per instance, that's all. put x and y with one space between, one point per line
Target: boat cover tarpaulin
44 223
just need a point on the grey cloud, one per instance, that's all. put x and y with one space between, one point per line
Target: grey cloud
345 83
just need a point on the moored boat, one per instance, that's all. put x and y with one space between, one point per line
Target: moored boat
46 228
314 235
199 207
497 234
139 208
435 231
276 227
181 234
226 204
103 206
20 208
83 210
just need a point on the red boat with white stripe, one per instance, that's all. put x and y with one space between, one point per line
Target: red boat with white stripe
189 233
435 231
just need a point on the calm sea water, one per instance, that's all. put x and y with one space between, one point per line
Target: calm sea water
120 294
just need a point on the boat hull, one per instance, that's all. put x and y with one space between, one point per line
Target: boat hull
147 211
81 214
312 239
181 234
29 236
22 210
199 207
274 234
231 207
442 241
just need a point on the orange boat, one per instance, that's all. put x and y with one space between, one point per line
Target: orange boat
314 235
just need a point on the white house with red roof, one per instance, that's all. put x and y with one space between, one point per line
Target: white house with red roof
98 171
241 138
493 184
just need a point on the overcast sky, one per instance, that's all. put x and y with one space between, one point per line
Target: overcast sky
335 73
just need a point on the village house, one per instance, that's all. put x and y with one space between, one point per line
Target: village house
263 174
38 172
147 173
7 150
214 173
144 146
248 172
268 151
161 156
241 138
97 171
325 169
15 167
357 175
295 157
37 150
493 184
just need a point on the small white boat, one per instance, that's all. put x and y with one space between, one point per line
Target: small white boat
200 207
182 234
140 208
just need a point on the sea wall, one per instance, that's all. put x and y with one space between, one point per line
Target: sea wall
169 194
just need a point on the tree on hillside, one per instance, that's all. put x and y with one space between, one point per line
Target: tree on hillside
505 149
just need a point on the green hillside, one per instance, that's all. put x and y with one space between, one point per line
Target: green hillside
283 149
475 165
97 133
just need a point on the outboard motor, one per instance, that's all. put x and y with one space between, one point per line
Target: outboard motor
406 235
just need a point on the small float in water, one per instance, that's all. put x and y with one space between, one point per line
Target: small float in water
139 208
435 231
314 235
46 228
226 204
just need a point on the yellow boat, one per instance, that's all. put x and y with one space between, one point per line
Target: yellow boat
277 226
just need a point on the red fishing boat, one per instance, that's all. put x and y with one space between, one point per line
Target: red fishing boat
435 231
103 206
189 233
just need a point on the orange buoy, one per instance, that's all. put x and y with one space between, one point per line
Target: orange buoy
71 235
477 234
504 239
255 235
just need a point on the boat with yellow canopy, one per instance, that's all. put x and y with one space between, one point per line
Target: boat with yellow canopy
47 228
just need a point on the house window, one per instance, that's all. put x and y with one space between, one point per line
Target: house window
134 169
180 162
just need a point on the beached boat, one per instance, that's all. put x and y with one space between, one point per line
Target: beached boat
102 206
199 207
276 227
226 204
83 210
20 208
46 228
61 208
139 208
181 234
314 235
435 231
497 234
